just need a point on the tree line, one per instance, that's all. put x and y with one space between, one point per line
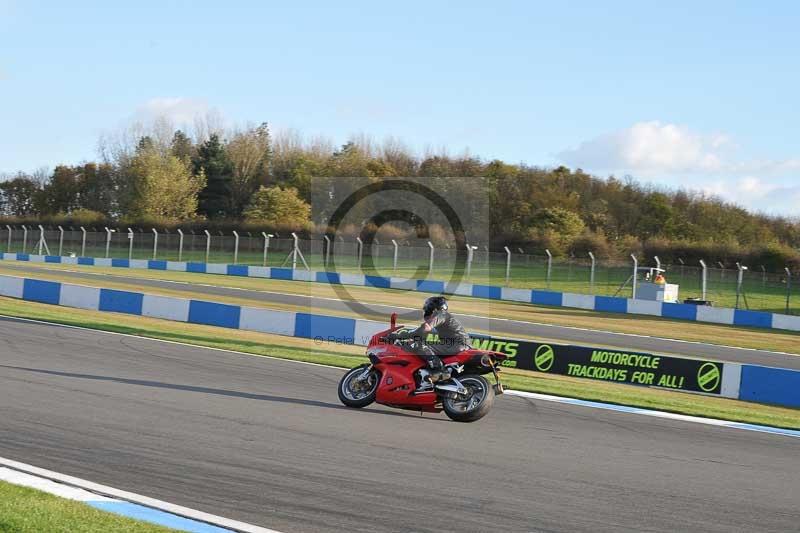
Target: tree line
244 178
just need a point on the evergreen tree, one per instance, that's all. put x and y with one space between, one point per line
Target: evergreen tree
216 197
182 146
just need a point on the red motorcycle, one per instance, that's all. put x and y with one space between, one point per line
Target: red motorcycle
394 375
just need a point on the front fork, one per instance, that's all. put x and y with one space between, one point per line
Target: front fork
363 376
498 386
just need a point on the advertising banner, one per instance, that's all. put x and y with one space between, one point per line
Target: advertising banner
608 365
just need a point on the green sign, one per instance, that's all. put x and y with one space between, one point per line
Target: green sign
709 377
543 358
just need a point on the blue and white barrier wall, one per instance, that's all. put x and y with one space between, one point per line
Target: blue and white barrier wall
745 382
327 328
605 304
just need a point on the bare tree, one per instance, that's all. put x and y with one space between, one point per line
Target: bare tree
249 151
208 124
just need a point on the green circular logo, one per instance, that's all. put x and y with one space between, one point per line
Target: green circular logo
708 377
544 357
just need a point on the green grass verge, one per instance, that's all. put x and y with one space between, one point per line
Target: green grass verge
25 510
349 356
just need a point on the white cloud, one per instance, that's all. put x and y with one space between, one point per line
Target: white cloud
177 110
674 155
657 149
757 194
649 148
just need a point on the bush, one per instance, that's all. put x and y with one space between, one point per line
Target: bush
628 245
279 207
774 257
590 241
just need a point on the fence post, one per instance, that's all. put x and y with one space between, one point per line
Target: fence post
9 238
721 270
360 251
394 256
591 273
430 259
180 244
235 247
208 244
24 239
549 266
83 241
327 250
266 245
788 287
155 243
470 252
38 246
658 262
703 279
763 276
377 248
294 252
682 267
635 277
108 240
508 264
739 277
60 241
130 244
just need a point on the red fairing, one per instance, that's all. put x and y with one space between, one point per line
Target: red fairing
397 368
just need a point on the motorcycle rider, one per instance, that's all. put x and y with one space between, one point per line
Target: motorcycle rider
452 339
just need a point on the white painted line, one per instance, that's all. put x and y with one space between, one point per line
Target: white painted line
658 414
533 395
61 490
106 491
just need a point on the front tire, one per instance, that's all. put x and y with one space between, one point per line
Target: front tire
476 405
354 392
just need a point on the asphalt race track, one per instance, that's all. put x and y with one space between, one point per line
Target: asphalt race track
267 442
566 335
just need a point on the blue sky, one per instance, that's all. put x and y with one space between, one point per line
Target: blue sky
688 94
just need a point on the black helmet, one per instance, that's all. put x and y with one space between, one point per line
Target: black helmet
433 304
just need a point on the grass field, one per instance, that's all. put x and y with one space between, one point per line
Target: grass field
349 356
759 292
25 510
772 340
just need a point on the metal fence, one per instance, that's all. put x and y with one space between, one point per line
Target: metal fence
740 287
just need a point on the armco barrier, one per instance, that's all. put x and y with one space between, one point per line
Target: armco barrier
745 382
606 304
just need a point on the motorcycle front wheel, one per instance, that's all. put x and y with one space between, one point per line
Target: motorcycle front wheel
357 389
475 405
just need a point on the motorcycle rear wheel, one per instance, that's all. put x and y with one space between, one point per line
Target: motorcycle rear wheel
476 405
353 393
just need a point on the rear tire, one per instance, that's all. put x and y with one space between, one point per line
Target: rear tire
476 406
356 394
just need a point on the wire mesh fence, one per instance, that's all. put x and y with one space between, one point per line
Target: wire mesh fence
745 288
